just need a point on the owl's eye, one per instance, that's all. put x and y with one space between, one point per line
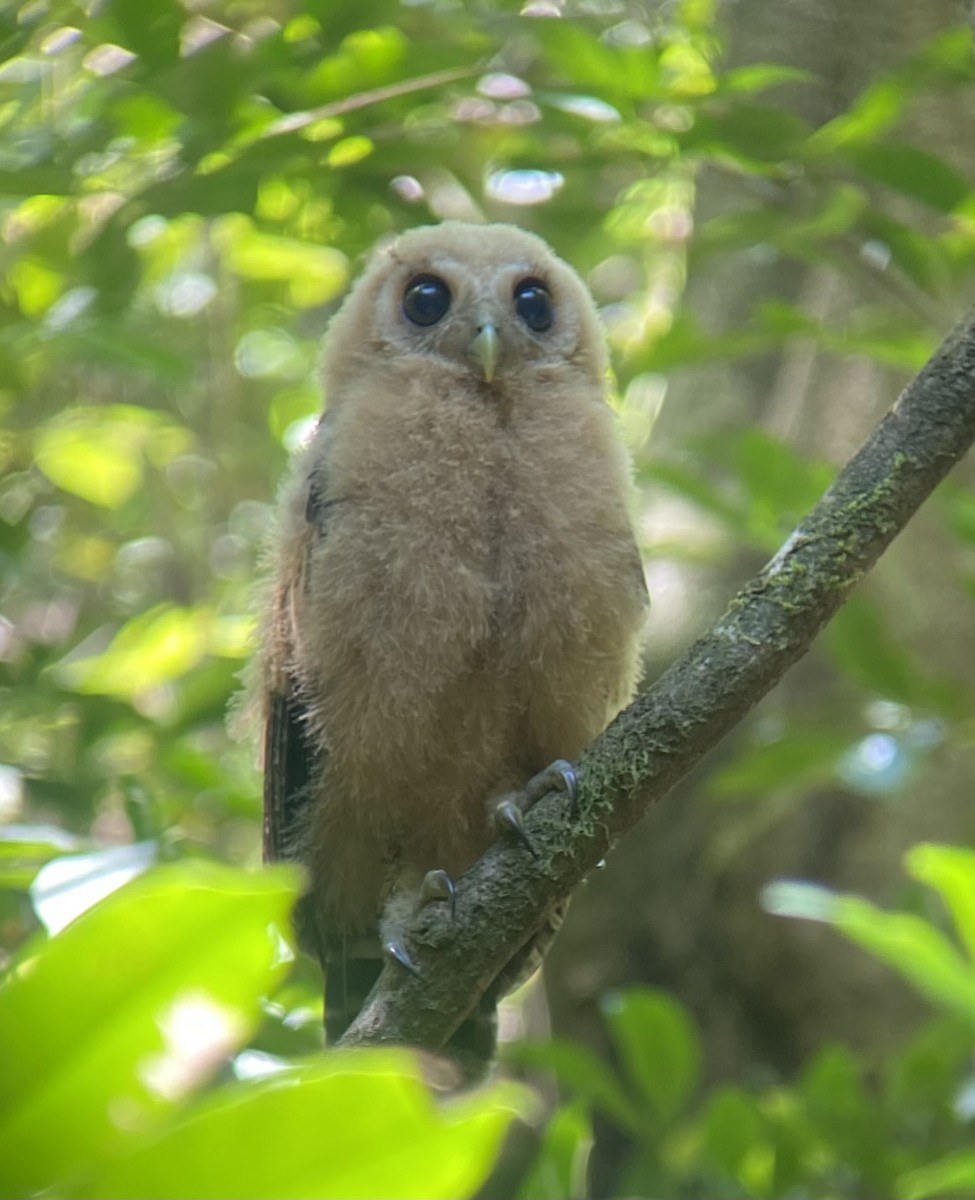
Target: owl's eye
426 300
533 303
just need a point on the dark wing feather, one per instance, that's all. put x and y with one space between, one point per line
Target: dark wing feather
292 761
289 764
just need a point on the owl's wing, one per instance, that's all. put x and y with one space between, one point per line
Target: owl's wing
290 764
294 760
295 777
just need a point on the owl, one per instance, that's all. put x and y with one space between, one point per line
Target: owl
456 596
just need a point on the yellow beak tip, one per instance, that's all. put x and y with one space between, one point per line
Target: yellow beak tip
485 346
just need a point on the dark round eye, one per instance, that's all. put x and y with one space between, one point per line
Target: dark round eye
426 299
533 303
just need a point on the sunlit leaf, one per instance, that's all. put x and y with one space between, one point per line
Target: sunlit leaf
349 151
364 58
950 870
910 945
953 1176
356 1126
315 273
757 77
36 284
109 1024
873 112
97 453
154 647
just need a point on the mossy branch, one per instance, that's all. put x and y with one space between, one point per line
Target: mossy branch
768 626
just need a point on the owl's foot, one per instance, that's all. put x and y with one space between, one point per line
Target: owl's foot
509 811
406 901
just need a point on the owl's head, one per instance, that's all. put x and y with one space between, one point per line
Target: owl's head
489 301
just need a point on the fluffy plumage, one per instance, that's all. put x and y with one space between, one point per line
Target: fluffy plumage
457 595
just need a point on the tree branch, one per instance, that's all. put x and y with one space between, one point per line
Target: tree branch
768 626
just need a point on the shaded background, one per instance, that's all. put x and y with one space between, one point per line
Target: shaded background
774 206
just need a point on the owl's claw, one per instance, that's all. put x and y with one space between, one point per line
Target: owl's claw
509 812
397 952
437 885
509 817
558 776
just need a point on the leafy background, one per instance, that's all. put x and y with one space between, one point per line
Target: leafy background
775 209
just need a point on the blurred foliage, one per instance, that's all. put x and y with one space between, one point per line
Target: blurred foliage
834 1131
185 191
167 979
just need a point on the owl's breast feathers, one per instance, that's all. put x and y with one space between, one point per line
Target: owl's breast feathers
467 613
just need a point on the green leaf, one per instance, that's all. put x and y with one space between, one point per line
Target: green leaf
757 77
958 505
918 255
614 73
914 172
694 486
104 344
876 108
949 870
359 1124
108 1025
559 1170
314 274
912 946
153 648
840 1109
365 58
582 1072
751 133
953 1176
802 758
732 1127
861 647
97 453
922 1080
153 34
657 1046
781 485
24 849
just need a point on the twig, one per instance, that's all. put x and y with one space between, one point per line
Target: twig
392 91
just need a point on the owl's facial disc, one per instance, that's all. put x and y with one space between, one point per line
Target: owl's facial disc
486 346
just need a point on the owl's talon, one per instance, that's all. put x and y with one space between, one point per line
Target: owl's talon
509 816
558 776
437 885
399 955
563 775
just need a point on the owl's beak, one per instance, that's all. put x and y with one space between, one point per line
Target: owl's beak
486 347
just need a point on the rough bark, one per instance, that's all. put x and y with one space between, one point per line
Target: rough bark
768 626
